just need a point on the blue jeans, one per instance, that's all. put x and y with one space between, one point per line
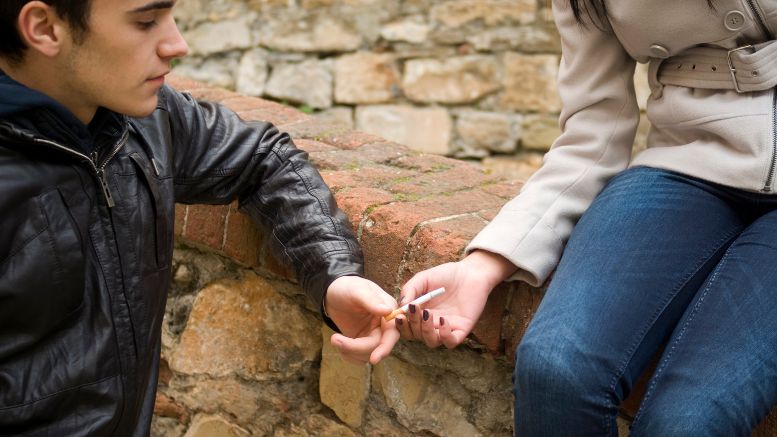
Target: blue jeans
658 259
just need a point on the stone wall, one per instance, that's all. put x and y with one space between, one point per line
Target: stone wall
464 78
244 352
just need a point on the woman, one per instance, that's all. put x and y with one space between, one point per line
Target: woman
675 248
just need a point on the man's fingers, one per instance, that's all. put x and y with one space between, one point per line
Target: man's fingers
388 339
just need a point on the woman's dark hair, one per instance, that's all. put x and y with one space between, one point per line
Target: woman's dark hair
596 10
75 12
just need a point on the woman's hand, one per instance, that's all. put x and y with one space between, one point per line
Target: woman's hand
450 317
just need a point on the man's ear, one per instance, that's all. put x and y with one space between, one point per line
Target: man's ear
41 28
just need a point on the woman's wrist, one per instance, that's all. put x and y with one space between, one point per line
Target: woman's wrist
493 267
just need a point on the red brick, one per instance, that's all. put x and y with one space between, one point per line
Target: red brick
356 201
183 83
315 129
351 139
504 189
427 163
180 219
311 146
275 113
489 214
488 329
449 181
369 176
242 103
243 239
205 225
270 264
523 303
212 94
369 155
438 243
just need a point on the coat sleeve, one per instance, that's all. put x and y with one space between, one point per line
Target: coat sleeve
598 121
218 158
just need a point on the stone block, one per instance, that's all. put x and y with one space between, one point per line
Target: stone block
365 77
245 328
308 82
252 73
314 33
422 129
530 83
490 131
341 115
344 387
217 70
412 30
214 426
527 39
220 36
454 81
419 402
490 12
539 132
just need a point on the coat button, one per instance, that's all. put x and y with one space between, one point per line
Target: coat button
734 20
659 51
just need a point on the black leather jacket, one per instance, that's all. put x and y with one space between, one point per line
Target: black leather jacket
86 243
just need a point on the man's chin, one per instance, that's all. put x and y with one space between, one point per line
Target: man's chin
139 111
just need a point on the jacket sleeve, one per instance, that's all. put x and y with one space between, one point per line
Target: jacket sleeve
598 121
219 158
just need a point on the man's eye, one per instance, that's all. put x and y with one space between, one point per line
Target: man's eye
145 25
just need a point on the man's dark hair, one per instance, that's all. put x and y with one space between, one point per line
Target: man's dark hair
596 10
75 12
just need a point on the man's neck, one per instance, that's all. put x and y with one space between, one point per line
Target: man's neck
31 75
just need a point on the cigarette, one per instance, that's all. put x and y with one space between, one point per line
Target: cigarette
423 299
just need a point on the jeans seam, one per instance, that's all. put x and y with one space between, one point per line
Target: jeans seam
651 321
665 361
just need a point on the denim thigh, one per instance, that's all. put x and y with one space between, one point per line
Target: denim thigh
631 267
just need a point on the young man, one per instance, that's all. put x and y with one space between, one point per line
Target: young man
94 151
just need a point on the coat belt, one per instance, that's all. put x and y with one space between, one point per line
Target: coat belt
743 69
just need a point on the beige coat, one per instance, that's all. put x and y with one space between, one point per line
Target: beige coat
718 135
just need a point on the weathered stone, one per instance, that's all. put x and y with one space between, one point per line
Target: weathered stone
423 129
252 73
221 36
516 167
244 327
413 30
308 34
457 80
216 70
530 84
313 426
339 115
214 426
527 39
309 83
189 13
488 131
539 132
344 387
419 402
491 12
366 77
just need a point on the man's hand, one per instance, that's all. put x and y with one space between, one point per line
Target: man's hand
357 306
449 318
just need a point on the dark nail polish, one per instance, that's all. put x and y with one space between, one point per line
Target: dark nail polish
442 321
399 322
426 315
412 309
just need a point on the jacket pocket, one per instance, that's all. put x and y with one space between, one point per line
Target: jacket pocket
41 273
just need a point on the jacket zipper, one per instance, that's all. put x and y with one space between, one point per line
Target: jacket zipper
773 164
99 168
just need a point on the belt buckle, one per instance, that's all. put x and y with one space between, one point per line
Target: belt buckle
731 68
